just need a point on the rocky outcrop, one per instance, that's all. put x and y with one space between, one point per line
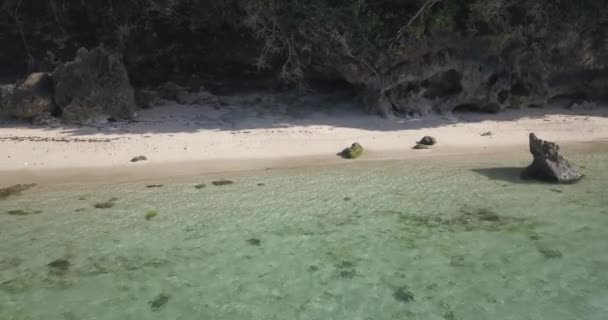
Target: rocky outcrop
549 164
28 98
95 85
482 74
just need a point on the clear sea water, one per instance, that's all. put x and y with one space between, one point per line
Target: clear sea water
445 240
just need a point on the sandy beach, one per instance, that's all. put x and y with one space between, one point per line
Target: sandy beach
181 140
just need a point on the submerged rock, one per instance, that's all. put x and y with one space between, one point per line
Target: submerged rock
94 85
159 302
220 183
61 265
428 140
14 190
352 152
403 294
549 164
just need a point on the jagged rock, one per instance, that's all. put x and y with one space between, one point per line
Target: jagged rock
352 152
549 164
147 98
6 92
29 98
46 119
170 91
585 105
94 84
428 140
200 97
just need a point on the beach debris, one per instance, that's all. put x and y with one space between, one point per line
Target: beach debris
421 147
14 190
549 164
403 294
159 302
428 140
352 152
151 214
139 158
59 265
220 183
255 242
487 134
23 212
200 186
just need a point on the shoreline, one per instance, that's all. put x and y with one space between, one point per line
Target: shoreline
177 146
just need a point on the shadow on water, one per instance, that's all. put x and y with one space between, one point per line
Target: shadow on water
506 174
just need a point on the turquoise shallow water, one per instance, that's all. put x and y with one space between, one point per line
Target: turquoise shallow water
384 240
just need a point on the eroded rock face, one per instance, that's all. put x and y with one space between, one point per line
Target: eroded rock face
549 164
94 85
485 74
28 98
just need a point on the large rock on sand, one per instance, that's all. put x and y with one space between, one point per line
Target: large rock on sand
549 164
94 85
28 98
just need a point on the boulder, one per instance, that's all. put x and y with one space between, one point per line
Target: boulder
549 164
94 85
352 152
29 98
428 140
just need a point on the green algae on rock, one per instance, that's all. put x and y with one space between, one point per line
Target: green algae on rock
14 190
352 152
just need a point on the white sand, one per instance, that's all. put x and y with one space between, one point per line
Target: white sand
196 139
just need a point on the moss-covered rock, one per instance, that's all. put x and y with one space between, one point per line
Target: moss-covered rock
352 152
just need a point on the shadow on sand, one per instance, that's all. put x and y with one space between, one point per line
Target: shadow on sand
505 174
